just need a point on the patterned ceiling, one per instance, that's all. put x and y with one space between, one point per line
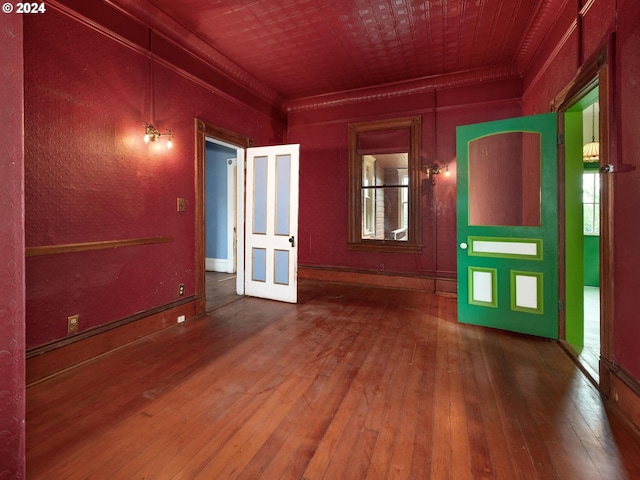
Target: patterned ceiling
303 48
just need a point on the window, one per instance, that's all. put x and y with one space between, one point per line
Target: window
368 197
384 185
591 202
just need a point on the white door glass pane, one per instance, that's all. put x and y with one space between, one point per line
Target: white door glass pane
260 196
283 181
259 271
281 275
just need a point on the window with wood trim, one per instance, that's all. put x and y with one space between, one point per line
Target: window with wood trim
384 185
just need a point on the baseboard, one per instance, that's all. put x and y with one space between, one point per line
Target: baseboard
440 285
218 265
43 362
623 393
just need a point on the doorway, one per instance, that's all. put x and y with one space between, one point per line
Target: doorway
217 288
582 230
270 270
220 222
586 328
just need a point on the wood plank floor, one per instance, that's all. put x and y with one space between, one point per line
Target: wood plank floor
220 289
589 355
350 383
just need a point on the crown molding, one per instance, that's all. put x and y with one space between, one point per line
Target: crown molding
167 26
398 89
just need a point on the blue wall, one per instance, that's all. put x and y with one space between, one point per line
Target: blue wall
216 220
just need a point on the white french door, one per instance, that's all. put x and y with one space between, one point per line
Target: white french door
271 253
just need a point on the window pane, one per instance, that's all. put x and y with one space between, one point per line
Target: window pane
386 212
385 209
588 218
369 213
591 202
384 169
588 194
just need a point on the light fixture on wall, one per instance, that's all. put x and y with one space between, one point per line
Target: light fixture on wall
151 134
591 150
435 169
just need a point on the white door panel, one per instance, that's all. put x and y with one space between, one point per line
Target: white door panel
272 222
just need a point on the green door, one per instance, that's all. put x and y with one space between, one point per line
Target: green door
507 225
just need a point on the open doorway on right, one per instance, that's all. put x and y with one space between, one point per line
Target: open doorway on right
591 235
582 216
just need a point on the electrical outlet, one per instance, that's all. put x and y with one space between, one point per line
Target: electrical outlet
181 289
180 205
72 324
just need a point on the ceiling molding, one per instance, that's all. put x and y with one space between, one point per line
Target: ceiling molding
397 89
164 24
548 14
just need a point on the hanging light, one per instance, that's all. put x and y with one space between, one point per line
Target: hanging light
591 150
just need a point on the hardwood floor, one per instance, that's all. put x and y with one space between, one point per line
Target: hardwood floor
220 289
350 383
589 356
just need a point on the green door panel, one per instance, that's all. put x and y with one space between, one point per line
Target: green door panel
507 224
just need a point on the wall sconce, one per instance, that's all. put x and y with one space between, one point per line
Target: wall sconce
435 169
151 134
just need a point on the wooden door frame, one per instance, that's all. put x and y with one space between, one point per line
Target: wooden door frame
204 130
597 71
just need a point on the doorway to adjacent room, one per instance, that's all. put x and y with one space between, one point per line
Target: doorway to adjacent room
220 213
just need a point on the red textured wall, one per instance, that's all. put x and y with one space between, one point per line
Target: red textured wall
627 189
322 132
12 302
553 69
90 177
